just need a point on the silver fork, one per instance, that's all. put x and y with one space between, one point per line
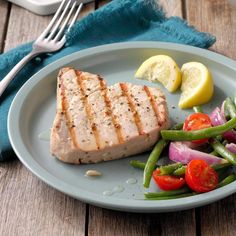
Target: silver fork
52 39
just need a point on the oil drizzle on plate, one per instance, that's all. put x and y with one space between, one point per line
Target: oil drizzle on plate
45 135
107 193
131 181
116 189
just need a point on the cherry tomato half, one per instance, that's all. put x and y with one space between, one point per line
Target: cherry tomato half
168 182
197 121
200 176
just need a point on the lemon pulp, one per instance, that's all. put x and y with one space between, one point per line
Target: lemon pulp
163 69
197 85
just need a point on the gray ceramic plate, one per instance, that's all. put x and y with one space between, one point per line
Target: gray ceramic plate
33 110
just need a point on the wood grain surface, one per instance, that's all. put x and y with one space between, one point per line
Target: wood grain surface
4 9
107 222
30 207
33 208
172 7
218 218
217 17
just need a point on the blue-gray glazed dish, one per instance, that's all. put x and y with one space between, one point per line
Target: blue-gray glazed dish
33 111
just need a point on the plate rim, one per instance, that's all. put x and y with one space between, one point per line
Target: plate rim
130 205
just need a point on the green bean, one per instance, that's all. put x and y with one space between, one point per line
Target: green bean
197 109
219 138
137 164
152 160
223 151
169 169
230 107
180 171
178 126
224 142
221 166
165 170
214 153
166 193
180 135
229 179
172 197
226 113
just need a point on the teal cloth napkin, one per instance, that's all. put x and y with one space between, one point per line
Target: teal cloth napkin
118 21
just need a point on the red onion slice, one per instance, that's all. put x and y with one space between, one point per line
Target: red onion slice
218 118
180 152
231 147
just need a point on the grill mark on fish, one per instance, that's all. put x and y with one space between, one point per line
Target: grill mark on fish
88 109
109 111
65 112
136 116
153 103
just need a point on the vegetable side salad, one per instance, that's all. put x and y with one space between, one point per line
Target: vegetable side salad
195 168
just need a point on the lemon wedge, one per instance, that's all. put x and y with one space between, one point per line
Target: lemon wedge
197 85
161 68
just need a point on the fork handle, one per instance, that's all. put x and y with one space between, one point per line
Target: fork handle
10 76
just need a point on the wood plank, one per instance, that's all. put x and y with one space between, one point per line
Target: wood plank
219 218
4 7
23 27
87 8
171 7
219 18
29 206
105 222
101 3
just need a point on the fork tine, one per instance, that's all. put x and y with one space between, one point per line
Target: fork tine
59 34
56 27
46 31
73 20
76 15
65 22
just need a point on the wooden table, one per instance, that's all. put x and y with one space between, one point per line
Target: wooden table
30 207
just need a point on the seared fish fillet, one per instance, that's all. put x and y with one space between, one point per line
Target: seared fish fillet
96 123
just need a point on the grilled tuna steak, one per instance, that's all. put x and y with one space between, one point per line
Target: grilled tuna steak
96 123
